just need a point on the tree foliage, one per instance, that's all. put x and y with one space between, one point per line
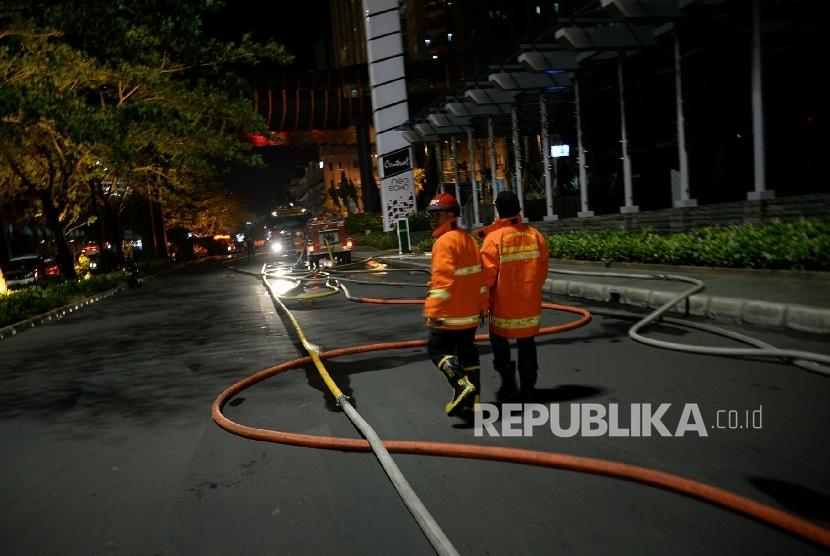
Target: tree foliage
101 101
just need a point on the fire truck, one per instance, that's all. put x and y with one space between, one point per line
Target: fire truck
327 239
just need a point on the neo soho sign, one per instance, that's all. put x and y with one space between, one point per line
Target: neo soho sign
398 184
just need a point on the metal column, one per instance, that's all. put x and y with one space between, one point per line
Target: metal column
761 192
684 200
454 155
492 159
473 182
629 196
517 153
543 116
440 162
583 179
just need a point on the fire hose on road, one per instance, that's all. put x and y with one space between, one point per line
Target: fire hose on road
295 289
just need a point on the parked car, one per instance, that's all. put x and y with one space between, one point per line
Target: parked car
29 268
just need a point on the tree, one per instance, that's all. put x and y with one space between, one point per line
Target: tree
353 195
211 213
334 193
99 102
315 200
346 191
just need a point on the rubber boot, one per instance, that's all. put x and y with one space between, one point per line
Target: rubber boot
507 390
528 387
473 374
463 391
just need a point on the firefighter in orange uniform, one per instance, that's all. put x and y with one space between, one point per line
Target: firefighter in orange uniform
515 259
299 241
456 304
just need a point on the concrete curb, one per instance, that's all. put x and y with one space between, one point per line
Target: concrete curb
56 314
722 309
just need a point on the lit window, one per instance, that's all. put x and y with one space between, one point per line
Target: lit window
556 6
427 41
538 9
449 36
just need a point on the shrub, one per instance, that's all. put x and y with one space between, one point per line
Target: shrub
800 245
419 222
24 303
804 244
357 224
425 245
383 241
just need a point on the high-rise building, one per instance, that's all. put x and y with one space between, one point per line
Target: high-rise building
437 28
349 32
433 29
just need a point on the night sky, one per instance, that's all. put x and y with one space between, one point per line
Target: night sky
298 26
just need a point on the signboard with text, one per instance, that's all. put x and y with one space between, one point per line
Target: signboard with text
557 151
397 187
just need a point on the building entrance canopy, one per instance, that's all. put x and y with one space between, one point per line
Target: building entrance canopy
627 56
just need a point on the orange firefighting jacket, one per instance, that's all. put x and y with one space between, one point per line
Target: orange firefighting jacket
515 259
457 296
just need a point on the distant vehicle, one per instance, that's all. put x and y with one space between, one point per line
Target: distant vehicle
282 246
327 239
93 256
27 269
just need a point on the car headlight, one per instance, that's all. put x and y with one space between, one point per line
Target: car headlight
276 247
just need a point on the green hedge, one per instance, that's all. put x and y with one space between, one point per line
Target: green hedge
425 245
21 304
358 224
56 291
381 241
800 245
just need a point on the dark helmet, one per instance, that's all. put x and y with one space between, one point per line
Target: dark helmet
507 204
445 202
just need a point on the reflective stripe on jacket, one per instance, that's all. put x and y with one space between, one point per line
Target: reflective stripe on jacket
515 259
457 296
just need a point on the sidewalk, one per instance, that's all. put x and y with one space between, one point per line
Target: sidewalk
785 299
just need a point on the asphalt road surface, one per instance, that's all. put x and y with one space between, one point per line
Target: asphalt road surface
108 445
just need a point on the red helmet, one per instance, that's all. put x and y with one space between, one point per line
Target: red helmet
444 201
